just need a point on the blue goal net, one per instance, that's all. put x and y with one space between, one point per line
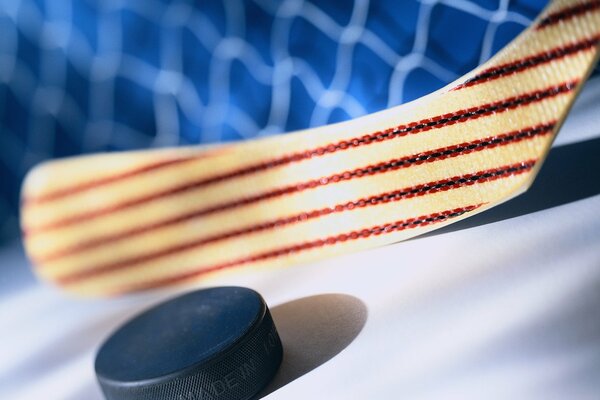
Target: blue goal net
81 76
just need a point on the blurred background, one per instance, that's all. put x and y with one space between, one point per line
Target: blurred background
83 76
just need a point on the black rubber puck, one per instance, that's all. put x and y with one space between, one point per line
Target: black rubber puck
217 343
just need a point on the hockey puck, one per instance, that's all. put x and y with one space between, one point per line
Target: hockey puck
217 343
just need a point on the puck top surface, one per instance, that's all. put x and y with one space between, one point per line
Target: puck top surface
221 340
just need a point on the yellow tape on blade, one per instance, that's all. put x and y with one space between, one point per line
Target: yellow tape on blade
117 223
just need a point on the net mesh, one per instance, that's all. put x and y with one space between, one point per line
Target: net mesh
83 76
